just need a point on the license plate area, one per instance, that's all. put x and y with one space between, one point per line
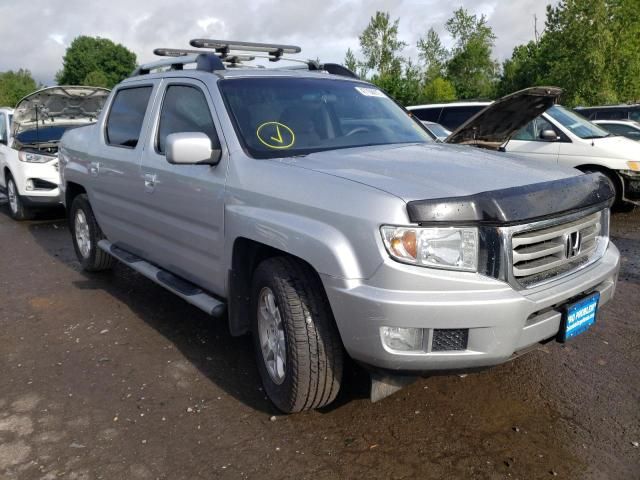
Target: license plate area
579 316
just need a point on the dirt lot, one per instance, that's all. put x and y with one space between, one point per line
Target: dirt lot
109 376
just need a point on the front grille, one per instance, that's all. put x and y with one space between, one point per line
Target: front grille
540 254
449 339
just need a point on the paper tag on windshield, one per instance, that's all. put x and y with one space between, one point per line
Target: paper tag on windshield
370 92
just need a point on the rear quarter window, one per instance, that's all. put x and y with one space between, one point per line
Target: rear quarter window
127 115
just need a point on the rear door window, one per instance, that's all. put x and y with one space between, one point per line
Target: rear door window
127 115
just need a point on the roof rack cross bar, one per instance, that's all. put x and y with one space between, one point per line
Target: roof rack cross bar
224 46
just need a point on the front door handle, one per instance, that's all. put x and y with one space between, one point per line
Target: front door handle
94 169
149 182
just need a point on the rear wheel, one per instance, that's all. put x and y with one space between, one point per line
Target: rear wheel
17 210
298 349
86 234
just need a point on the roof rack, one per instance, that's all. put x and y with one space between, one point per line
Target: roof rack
218 54
223 47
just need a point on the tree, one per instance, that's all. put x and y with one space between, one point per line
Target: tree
350 60
95 61
433 54
380 45
471 68
524 69
439 90
15 85
589 48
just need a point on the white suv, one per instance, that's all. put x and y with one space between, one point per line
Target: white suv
29 137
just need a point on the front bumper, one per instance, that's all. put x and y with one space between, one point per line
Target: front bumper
631 182
501 320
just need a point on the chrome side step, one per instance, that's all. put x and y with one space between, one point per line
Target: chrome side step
179 286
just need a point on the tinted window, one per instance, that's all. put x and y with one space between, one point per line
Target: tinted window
634 115
616 114
126 116
453 117
427 114
185 109
624 130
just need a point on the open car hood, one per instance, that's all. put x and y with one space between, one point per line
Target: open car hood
62 105
497 123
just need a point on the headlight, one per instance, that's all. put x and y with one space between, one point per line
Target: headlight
450 248
635 166
32 157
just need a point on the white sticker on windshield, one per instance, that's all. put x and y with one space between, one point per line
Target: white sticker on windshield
371 92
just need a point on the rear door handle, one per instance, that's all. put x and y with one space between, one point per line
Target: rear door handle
149 182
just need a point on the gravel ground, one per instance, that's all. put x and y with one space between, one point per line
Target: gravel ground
109 376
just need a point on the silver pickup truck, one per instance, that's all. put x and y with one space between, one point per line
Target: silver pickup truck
310 210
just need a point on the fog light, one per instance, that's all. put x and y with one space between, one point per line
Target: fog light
29 185
402 339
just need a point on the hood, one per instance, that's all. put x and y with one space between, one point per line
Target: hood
493 126
428 171
63 105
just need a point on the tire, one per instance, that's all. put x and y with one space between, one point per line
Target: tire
311 373
86 234
17 209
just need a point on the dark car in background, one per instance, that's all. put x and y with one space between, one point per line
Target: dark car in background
611 112
449 115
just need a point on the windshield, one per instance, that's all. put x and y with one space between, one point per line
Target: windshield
575 123
284 117
43 134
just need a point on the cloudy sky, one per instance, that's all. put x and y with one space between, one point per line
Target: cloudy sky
35 33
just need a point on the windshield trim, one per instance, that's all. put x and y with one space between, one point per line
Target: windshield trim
279 154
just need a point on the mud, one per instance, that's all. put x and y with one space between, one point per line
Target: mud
110 377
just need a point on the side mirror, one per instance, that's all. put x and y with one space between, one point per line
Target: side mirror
548 135
191 148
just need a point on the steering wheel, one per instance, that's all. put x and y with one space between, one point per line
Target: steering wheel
357 130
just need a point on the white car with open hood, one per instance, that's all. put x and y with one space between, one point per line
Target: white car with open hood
29 171
530 125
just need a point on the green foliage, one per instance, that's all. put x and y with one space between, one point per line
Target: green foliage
589 48
433 54
380 45
95 61
14 86
438 90
350 60
471 68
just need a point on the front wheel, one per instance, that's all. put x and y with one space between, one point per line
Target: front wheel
298 349
86 234
17 210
